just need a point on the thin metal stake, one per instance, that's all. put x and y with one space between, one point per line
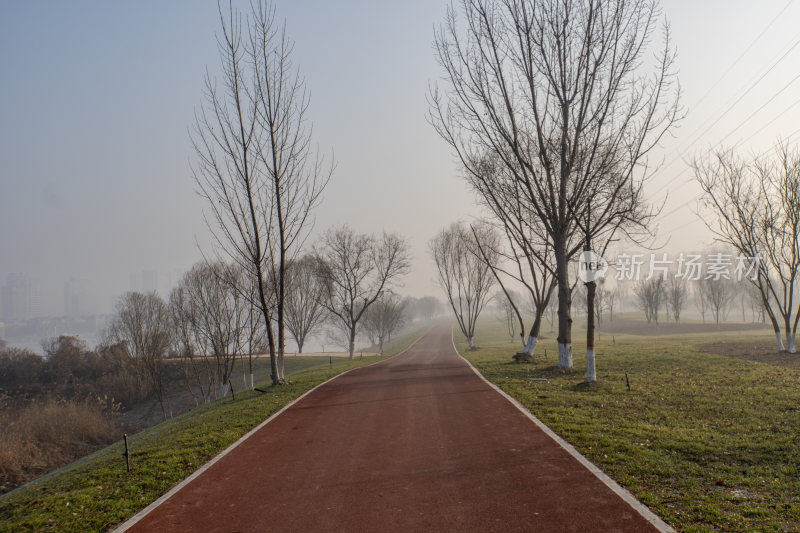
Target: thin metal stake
126 454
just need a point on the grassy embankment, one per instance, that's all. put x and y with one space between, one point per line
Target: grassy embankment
96 493
710 443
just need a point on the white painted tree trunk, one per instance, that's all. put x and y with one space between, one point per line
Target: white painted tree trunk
252 385
564 355
780 341
789 342
591 374
352 348
530 346
469 341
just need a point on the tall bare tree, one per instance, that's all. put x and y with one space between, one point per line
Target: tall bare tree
305 291
141 325
256 166
465 277
558 92
756 207
356 269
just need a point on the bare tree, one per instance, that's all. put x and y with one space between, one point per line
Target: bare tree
219 318
700 300
464 276
304 294
757 211
718 294
183 341
677 292
602 300
752 298
356 269
507 316
384 318
141 325
522 260
613 299
623 293
424 308
254 335
651 295
557 92
255 163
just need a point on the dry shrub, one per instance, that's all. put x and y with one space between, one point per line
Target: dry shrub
41 436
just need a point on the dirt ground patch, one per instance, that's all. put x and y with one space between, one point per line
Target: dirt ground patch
760 351
640 327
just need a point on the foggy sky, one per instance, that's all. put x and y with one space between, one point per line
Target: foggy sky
96 100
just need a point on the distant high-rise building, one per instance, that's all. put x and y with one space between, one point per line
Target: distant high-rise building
76 298
149 281
144 281
20 298
170 281
135 282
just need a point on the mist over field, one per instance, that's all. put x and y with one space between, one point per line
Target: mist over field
97 195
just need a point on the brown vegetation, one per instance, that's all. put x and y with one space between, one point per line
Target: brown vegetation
757 350
56 409
38 437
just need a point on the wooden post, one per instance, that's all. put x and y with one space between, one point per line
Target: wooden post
126 454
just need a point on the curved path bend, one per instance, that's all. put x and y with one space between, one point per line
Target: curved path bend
416 443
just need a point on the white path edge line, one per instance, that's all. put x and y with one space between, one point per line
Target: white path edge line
150 508
629 498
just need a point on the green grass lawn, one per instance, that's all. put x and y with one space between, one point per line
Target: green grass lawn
96 493
709 443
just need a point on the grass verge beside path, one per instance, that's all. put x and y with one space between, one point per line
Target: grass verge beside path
96 493
709 443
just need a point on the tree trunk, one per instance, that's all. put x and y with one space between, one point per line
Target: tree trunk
533 336
591 375
772 318
471 345
789 335
352 342
564 304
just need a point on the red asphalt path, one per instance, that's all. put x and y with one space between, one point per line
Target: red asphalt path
415 443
